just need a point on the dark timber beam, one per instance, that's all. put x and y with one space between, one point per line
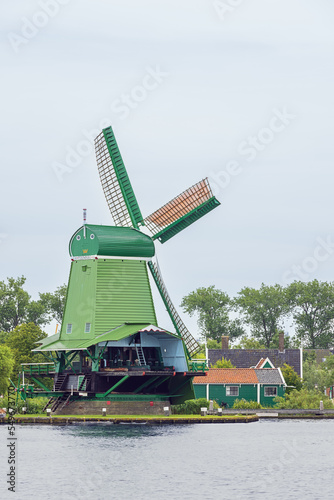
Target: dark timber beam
145 384
179 386
123 379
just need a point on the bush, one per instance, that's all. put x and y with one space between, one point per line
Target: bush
291 378
242 404
304 399
192 407
223 363
33 405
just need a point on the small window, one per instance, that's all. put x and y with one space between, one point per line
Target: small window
69 328
78 237
92 236
270 391
87 327
232 390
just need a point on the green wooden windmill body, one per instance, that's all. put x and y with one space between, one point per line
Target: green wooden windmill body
110 339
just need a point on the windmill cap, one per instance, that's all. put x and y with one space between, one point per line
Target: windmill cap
110 241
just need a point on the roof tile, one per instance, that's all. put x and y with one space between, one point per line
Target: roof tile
228 376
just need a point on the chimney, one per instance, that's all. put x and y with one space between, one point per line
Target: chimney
225 340
281 341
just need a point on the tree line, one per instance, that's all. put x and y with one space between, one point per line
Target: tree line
309 306
21 322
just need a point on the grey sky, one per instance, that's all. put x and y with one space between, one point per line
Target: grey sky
220 82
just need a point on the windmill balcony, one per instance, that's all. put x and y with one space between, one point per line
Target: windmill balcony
38 368
198 365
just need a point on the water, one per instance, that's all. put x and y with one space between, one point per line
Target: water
285 459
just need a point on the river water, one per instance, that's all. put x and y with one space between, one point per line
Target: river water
286 459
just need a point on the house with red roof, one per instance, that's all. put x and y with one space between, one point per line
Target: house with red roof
225 385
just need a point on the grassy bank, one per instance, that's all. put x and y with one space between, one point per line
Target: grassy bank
158 419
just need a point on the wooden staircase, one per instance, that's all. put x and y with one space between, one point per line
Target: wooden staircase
60 402
85 383
60 382
51 400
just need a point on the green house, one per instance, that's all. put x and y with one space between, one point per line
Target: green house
225 385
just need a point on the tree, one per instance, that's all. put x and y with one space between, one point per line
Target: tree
318 376
291 378
210 344
223 363
13 303
263 310
22 340
248 343
6 367
16 306
212 307
313 312
54 303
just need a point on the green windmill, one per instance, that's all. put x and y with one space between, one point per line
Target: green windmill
110 348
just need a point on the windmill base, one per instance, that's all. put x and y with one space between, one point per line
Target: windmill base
84 407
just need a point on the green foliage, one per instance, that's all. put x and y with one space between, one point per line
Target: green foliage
309 356
289 343
54 303
263 310
3 337
22 340
291 378
223 363
303 399
192 407
211 344
6 367
318 375
17 307
14 303
32 405
212 307
242 404
313 312
249 343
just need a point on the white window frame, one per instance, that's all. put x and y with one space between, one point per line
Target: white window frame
69 328
89 328
228 389
270 395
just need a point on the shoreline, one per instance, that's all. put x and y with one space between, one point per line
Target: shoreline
228 417
132 419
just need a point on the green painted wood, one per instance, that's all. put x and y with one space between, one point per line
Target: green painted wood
269 400
112 293
185 221
110 241
117 334
200 391
122 177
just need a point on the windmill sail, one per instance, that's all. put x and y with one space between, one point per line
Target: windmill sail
182 211
115 181
191 344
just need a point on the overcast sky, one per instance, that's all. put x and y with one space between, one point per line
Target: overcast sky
239 91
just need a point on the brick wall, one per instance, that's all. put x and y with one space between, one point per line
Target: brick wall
83 407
